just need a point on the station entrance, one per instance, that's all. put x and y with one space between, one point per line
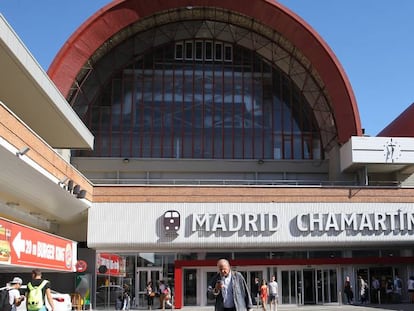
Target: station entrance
308 286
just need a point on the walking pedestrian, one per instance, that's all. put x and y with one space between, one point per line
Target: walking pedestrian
264 294
348 290
15 298
273 293
229 288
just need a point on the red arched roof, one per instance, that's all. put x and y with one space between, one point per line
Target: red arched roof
121 13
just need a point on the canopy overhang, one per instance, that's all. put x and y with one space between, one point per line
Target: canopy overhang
27 90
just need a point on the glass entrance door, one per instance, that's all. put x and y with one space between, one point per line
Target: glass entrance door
291 287
190 287
320 286
251 277
143 276
309 286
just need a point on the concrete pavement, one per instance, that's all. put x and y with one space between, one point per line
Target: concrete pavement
333 307
327 307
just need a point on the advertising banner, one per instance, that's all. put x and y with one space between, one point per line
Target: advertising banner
29 247
110 264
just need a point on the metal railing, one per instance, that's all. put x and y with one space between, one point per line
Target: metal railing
241 182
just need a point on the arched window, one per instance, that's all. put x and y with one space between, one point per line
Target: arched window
201 99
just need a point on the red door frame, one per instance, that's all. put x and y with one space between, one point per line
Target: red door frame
180 264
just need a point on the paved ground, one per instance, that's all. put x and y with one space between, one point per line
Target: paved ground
333 307
397 307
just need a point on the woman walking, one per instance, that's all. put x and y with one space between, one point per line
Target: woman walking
348 290
150 295
264 294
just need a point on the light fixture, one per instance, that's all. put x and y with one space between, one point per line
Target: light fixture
260 161
63 181
81 194
70 185
22 151
76 189
72 188
125 160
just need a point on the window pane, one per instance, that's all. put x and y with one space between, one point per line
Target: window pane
189 50
218 50
199 50
209 50
179 50
228 53
200 107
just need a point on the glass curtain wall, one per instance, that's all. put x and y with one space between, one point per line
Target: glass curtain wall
202 99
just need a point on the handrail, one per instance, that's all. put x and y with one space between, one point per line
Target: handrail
241 182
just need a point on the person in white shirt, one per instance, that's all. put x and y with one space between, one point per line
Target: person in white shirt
363 290
410 288
167 298
375 287
14 294
397 289
273 293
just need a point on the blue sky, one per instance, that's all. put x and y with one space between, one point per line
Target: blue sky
372 39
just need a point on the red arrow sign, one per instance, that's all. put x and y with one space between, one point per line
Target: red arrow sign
34 248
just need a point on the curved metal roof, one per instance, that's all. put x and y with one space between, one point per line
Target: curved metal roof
114 18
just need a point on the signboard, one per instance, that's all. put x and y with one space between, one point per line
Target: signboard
110 264
29 247
178 226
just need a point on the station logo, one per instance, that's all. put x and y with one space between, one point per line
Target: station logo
171 222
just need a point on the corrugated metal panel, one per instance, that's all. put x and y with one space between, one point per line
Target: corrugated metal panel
133 226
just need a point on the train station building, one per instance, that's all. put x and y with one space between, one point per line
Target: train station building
168 134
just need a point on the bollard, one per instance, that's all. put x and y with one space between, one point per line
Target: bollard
379 297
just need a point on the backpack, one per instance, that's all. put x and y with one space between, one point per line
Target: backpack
5 300
399 283
35 296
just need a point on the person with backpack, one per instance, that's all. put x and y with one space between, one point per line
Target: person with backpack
15 299
5 300
10 297
37 289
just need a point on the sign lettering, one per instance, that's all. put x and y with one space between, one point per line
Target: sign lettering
35 248
232 222
357 222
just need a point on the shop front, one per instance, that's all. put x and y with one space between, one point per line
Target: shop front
309 281
310 247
